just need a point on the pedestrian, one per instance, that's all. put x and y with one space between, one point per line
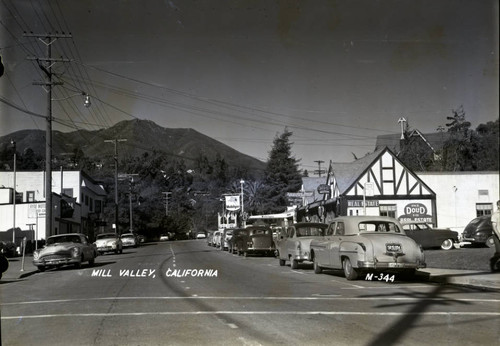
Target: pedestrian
495 220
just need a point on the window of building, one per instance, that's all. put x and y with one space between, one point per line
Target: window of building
91 204
30 196
86 200
484 209
388 210
98 206
68 192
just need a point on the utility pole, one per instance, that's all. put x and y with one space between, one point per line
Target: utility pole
45 65
319 171
167 195
115 141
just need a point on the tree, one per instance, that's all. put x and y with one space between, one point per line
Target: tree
282 175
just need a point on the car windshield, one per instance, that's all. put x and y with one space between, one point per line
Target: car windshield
260 231
64 239
310 231
106 235
378 226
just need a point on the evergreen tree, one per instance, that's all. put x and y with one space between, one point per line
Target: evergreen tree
282 175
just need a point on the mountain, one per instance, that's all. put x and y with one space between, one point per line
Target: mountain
141 136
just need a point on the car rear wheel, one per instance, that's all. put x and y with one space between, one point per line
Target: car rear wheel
349 272
447 244
490 242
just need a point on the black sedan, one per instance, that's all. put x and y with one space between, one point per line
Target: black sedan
429 237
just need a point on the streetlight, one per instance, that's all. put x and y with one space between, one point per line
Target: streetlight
242 204
13 143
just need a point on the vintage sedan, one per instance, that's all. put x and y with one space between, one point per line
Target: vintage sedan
294 244
479 232
129 240
256 240
64 249
108 242
367 244
430 237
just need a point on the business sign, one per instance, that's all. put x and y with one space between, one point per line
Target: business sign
300 194
415 212
233 202
36 209
359 203
323 188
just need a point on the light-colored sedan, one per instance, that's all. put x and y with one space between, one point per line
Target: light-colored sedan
64 249
367 244
108 242
294 244
129 240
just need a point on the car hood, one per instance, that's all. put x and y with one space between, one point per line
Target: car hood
57 248
99 242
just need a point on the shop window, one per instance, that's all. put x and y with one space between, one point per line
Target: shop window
30 196
388 210
484 209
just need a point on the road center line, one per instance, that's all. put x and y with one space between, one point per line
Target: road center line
297 313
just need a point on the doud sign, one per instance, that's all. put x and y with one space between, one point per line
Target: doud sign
416 212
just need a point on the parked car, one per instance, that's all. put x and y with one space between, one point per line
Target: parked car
129 240
4 264
358 244
64 249
201 235
164 237
294 244
257 240
479 231
236 241
210 238
430 237
216 239
142 238
108 242
226 236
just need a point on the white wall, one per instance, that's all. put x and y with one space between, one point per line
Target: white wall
458 193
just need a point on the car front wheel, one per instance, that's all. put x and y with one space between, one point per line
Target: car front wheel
317 268
349 272
490 242
447 244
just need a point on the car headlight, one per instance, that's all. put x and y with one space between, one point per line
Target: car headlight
36 255
75 252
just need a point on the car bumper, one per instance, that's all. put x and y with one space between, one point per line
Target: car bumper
55 261
106 248
390 265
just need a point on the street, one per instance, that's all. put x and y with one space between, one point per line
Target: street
187 293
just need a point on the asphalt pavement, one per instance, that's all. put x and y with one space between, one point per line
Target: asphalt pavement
19 269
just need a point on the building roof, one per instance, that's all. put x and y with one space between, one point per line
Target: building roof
347 174
393 141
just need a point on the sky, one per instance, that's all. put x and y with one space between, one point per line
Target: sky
335 73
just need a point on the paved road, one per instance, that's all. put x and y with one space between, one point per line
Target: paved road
146 296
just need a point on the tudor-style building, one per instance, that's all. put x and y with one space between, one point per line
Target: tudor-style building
377 184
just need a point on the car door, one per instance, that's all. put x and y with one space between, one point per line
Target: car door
321 247
334 244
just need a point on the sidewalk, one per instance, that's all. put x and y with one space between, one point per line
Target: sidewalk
483 280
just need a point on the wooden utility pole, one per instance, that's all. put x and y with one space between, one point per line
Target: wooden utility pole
115 141
45 65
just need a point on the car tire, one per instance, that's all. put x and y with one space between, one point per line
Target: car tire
317 268
91 262
349 272
447 244
294 264
41 268
490 242
282 262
